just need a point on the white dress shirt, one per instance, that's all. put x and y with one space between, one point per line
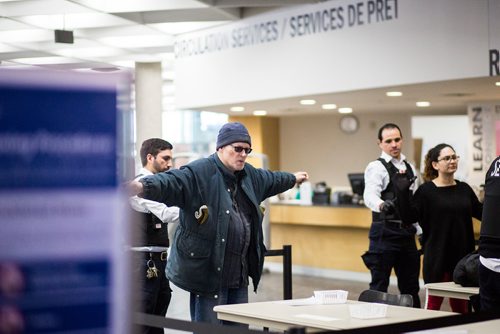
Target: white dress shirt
490 263
164 213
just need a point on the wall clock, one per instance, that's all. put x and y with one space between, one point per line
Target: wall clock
349 124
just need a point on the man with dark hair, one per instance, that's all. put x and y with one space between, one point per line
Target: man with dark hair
150 248
489 242
218 244
389 186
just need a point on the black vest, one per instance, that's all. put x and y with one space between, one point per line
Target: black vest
489 240
399 189
148 229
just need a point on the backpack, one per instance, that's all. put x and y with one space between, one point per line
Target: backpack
466 271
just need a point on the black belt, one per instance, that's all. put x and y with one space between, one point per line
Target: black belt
162 256
396 224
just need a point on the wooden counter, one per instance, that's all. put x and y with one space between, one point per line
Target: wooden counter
318 215
329 237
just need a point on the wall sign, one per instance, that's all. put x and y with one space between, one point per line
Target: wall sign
483 120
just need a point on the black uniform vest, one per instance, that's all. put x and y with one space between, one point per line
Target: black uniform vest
392 192
151 234
152 231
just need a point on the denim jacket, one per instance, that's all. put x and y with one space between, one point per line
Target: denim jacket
197 252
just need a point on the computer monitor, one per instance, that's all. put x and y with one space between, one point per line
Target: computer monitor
357 181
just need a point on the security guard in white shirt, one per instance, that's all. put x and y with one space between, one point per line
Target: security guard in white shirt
150 249
389 185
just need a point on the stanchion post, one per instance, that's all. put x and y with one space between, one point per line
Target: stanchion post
287 272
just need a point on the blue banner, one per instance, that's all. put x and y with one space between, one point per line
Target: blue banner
61 245
53 138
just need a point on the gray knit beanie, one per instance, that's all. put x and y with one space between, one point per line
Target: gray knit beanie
233 133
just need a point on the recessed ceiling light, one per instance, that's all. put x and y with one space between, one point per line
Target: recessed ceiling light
45 60
71 21
141 6
392 94
345 110
26 35
89 52
497 83
7 48
307 102
423 104
237 108
329 106
137 41
260 113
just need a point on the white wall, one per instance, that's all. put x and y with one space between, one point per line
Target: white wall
317 145
453 130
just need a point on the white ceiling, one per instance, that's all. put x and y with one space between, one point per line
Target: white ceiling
445 97
109 33
115 34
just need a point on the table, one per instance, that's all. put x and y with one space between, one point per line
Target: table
482 327
450 290
281 315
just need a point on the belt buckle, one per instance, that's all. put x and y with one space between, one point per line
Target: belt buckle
396 224
163 256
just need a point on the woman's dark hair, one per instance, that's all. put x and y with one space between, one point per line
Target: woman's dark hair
432 156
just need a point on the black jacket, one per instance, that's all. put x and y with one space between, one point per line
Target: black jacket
489 239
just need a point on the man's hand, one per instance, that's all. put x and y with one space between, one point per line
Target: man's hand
388 206
301 177
134 188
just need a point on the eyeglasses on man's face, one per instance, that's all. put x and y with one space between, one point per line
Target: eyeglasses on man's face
448 158
239 149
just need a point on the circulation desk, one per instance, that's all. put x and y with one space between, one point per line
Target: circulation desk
322 236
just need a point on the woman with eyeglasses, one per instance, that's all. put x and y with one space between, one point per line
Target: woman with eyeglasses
445 207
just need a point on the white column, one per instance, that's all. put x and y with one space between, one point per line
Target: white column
148 103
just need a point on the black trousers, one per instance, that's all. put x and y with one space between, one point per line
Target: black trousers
489 289
406 265
155 293
392 248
